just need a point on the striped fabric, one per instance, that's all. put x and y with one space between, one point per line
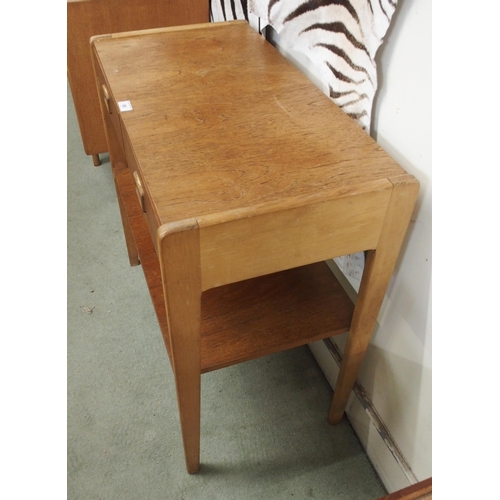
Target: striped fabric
340 37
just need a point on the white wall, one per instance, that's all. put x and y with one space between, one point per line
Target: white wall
397 371
400 360
402 126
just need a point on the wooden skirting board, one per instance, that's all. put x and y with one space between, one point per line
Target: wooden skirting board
419 491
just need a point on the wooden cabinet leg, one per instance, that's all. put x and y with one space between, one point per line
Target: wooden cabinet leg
133 253
179 248
96 160
378 270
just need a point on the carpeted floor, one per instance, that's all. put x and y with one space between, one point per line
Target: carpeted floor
264 428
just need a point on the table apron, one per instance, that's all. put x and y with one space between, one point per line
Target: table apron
255 246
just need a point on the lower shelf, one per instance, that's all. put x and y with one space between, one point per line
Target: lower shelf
271 313
251 318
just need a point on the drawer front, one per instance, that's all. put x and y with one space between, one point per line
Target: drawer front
113 112
110 108
141 191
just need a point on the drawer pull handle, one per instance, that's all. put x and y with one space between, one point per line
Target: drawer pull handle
139 191
106 98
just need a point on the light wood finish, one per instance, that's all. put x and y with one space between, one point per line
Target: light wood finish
323 229
86 18
181 277
270 313
249 179
379 265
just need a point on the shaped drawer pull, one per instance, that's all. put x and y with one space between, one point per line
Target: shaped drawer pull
140 191
105 94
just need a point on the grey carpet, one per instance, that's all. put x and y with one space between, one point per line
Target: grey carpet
264 429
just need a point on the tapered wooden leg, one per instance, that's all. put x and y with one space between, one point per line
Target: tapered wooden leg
358 339
96 160
179 247
133 253
378 270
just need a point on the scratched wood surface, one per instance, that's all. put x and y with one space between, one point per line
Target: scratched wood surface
225 113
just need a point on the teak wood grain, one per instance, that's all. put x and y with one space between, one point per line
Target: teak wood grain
237 178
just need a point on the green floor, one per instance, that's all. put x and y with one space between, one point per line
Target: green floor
264 429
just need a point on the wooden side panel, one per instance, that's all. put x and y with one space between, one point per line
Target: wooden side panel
246 248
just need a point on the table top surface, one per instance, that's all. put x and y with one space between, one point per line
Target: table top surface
222 122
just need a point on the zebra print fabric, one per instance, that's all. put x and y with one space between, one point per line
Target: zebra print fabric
230 10
340 37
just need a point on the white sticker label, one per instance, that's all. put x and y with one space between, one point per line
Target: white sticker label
125 106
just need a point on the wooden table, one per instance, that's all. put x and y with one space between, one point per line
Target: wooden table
236 179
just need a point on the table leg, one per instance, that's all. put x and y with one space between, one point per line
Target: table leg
133 253
363 323
179 249
96 160
378 271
